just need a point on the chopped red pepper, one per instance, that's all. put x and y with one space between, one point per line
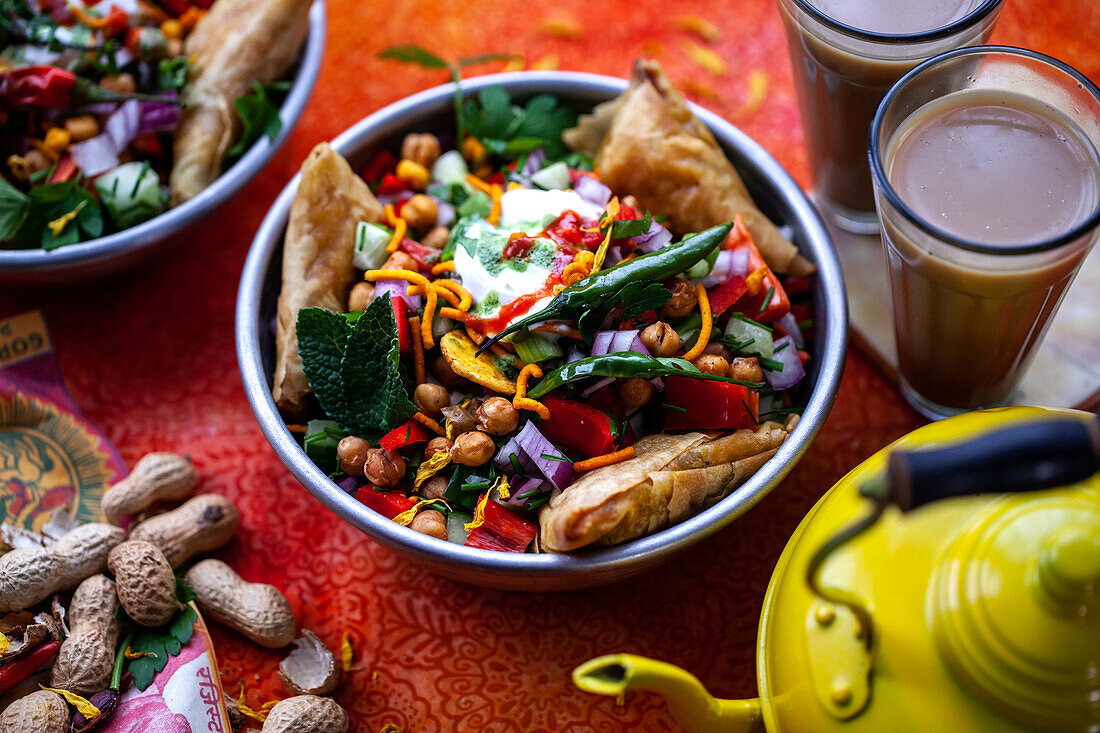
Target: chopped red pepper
117 22
45 87
408 434
387 503
640 322
20 668
578 427
696 404
391 185
607 401
65 170
569 228
404 333
497 178
752 303
723 296
150 144
425 256
176 7
575 174
503 531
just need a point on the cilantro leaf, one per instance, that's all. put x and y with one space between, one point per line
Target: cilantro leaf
631 227
412 54
162 642
172 73
14 207
259 116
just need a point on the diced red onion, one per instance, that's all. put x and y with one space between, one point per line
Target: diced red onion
534 162
721 270
739 262
397 289
525 486
530 446
790 325
591 190
792 370
614 342
123 56
158 117
589 391
655 238
575 354
349 485
122 126
446 215
504 458
98 108
658 383
95 155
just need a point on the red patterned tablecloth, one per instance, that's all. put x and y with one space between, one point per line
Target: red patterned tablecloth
149 357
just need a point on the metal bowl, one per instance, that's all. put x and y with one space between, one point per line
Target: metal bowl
115 252
776 193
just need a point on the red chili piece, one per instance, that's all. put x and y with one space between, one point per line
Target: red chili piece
27 87
408 434
579 427
693 404
723 296
19 669
387 503
502 531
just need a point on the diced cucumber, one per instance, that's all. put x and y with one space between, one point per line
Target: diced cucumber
698 271
478 203
131 192
450 168
456 529
555 175
760 338
442 326
370 245
536 348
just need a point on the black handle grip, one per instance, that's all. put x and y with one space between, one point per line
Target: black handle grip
1038 455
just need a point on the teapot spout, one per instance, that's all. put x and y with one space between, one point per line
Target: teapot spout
692 706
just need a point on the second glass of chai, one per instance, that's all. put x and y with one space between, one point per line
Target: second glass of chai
987 181
845 55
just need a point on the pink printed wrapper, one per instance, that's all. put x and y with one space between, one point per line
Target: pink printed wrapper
52 457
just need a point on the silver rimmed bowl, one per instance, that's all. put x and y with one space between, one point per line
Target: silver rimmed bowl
776 193
115 252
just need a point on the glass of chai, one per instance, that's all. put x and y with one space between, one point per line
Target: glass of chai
845 55
987 184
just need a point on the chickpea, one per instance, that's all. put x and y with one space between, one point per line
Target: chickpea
661 339
419 212
433 488
413 174
717 348
712 364
175 47
400 261
82 127
383 467
459 420
436 238
443 372
497 416
172 28
438 444
431 523
635 392
360 296
121 83
474 448
472 150
746 368
57 139
683 299
431 398
352 452
421 148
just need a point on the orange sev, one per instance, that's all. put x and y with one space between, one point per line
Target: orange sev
429 423
606 459
88 19
494 192
416 279
441 267
418 350
399 228
454 314
521 401
705 329
464 297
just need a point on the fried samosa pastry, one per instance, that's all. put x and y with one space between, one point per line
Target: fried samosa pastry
670 478
236 43
647 143
317 260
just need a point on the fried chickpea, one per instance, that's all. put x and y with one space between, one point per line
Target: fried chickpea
431 523
431 398
718 349
635 392
383 467
36 161
419 212
360 296
474 448
661 339
683 299
414 175
443 372
352 452
122 83
438 444
400 261
712 364
82 127
747 369
422 148
433 488
436 238
472 150
57 139
497 416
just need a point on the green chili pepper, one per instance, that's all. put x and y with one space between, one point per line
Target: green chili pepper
571 302
626 364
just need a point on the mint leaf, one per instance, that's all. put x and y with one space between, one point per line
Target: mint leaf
631 227
164 641
375 386
413 54
259 116
322 337
14 207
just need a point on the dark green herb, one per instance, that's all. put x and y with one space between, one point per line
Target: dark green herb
162 642
559 459
742 317
767 299
770 364
259 115
508 130
514 459
808 323
172 73
631 227
675 407
14 208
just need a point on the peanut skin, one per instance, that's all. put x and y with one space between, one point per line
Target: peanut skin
310 668
306 713
203 523
30 575
145 583
38 712
85 659
156 477
257 610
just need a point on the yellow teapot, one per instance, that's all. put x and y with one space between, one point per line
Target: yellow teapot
981 613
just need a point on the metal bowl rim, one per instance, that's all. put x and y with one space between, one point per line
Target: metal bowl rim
162 226
617 559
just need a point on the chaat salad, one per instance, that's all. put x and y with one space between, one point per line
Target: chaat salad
113 111
493 345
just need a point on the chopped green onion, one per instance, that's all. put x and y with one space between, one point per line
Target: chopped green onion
749 411
536 348
808 323
781 347
538 502
742 317
767 299
515 462
674 407
476 485
770 364
559 459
